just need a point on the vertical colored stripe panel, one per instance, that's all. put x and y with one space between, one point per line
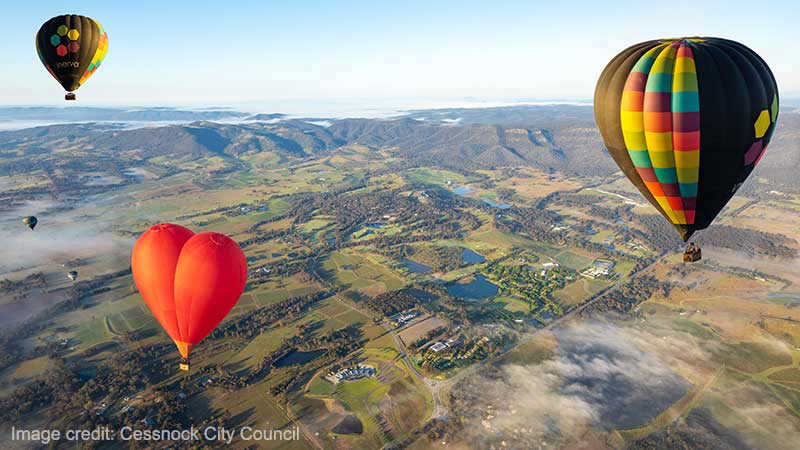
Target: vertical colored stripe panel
686 136
631 111
658 103
660 118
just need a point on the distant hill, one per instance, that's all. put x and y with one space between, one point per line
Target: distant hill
85 114
559 138
271 116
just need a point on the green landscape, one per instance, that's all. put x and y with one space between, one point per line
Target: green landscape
367 252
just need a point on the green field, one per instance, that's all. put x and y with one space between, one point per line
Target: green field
361 272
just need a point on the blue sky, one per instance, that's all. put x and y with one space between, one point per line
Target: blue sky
230 52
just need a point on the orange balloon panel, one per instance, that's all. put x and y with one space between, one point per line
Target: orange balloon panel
154 259
189 281
209 279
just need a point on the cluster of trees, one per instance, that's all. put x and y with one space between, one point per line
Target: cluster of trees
253 323
629 295
65 392
19 289
55 386
391 302
604 212
753 242
281 268
571 199
528 282
440 259
536 222
265 237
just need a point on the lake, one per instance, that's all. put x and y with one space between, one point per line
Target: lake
415 267
463 190
476 290
298 357
470 257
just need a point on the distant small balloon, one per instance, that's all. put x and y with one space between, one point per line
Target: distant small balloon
73 275
30 221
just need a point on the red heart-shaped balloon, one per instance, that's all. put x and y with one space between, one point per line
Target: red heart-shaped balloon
189 281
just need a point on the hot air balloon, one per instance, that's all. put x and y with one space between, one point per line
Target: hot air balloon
71 47
189 281
72 275
30 221
687 120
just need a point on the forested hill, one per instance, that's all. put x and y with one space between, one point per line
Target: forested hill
556 138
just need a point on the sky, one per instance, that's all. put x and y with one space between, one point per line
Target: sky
232 52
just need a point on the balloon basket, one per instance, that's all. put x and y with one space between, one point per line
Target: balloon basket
69 96
692 255
184 365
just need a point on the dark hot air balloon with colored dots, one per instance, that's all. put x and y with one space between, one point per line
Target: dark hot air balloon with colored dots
687 120
71 47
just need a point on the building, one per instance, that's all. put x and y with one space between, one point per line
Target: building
400 319
438 346
351 373
600 268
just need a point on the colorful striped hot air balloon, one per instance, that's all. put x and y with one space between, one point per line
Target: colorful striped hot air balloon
687 120
71 47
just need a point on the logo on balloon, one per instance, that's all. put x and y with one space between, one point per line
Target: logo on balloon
65 40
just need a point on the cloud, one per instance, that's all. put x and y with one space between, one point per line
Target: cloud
600 377
62 234
604 376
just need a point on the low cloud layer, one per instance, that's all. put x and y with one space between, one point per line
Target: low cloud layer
604 376
59 237
601 377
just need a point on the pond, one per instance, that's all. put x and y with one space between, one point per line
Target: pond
298 357
496 205
415 267
470 257
350 424
463 190
476 290
375 226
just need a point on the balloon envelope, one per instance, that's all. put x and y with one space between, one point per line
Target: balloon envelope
189 281
71 47
30 221
687 120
